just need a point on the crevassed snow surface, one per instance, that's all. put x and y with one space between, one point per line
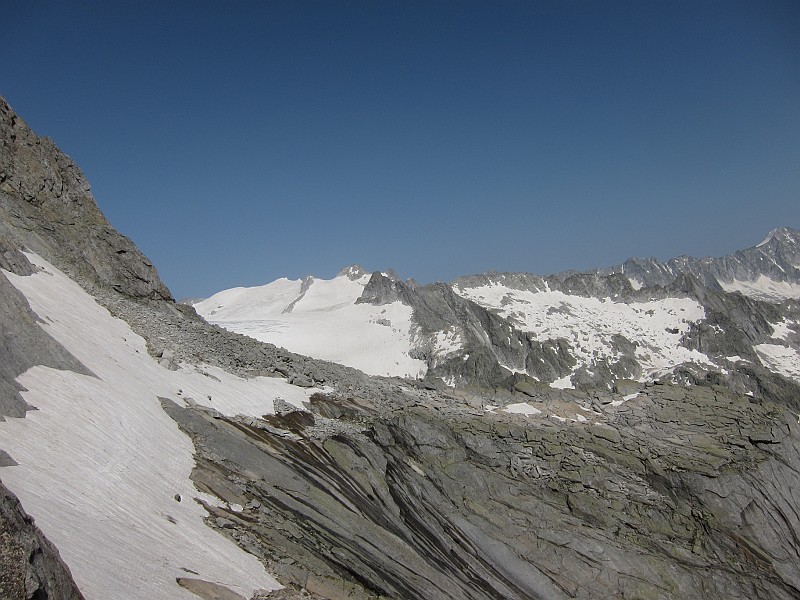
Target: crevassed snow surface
324 322
589 324
764 288
100 462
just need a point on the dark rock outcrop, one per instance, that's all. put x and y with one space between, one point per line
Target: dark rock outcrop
678 494
30 566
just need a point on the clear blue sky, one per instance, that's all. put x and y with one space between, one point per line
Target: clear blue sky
240 142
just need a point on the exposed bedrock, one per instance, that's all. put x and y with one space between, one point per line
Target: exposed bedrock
680 493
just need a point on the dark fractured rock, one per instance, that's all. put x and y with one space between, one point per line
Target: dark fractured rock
30 566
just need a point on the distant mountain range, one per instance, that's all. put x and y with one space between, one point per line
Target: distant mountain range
643 320
768 271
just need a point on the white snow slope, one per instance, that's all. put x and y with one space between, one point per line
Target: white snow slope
103 488
764 288
588 324
323 322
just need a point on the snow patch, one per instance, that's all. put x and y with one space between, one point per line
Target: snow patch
736 359
763 288
782 330
104 489
781 359
324 322
447 342
522 408
563 383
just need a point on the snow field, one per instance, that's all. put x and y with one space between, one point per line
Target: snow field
589 324
103 487
781 357
764 288
324 322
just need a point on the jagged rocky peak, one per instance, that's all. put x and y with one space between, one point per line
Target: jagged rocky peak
768 271
46 206
520 281
384 288
782 236
354 272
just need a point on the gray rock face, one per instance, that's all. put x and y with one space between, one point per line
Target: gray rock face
491 344
671 496
46 206
30 566
733 323
611 285
24 344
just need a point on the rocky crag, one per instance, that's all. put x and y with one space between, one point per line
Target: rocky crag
46 206
498 349
386 488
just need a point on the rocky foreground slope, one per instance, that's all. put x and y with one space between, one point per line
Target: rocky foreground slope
349 486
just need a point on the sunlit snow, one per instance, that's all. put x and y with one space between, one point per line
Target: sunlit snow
563 383
781 359
522 408
324 322
764 288
103 489
589 324
783 329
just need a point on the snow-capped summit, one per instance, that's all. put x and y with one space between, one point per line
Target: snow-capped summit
321 318
353 272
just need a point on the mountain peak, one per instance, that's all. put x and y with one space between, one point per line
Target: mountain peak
353 272
781 235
